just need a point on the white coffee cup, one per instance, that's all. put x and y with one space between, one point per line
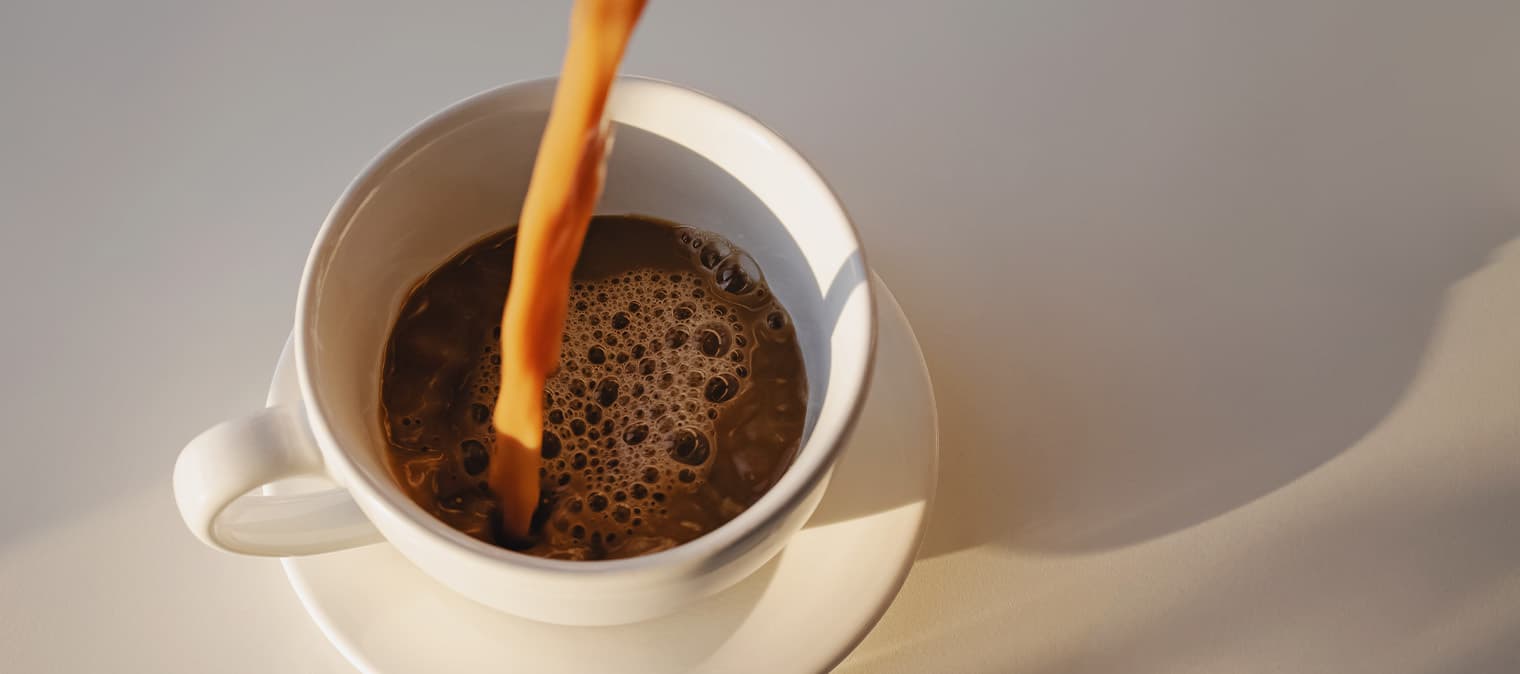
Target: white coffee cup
450 181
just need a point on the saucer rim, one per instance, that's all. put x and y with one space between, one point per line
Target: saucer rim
300 584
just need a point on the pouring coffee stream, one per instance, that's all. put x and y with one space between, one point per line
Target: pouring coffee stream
562 193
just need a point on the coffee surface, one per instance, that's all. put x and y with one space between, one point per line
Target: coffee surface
679 397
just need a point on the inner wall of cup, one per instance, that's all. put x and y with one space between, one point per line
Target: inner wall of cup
449 188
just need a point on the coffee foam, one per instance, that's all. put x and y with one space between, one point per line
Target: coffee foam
649 360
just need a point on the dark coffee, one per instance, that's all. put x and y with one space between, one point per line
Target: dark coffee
678 401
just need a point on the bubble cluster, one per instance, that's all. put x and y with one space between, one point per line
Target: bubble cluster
677 401
649 361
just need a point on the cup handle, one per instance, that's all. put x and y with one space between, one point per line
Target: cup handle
218 469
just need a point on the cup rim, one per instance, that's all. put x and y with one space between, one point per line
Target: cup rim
811 464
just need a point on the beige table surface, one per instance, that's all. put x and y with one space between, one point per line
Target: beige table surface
1219 298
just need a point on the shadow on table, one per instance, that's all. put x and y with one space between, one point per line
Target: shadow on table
1417 606
1203 385
1399 554
1418 551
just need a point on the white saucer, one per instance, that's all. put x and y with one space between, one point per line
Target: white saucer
803 612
